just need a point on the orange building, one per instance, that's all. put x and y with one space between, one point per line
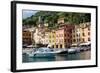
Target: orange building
26 37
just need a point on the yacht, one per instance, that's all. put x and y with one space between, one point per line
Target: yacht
43 52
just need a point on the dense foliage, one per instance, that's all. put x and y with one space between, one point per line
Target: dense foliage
52 17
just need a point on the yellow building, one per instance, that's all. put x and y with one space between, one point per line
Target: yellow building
85 33
52 38
81 34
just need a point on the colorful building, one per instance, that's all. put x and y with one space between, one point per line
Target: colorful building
52 38
46 38
39 34
85 33
64 36
81 34
76 35
26 37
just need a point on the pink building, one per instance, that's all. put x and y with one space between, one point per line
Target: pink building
64 36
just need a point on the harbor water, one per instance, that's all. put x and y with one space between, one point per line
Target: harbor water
84 55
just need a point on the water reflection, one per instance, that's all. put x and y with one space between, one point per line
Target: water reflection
75 56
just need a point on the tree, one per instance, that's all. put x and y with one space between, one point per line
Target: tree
51 18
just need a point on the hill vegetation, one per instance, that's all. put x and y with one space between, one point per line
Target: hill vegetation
51 18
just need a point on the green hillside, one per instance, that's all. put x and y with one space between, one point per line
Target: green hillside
52 17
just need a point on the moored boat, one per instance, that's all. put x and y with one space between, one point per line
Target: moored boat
71 50
43 52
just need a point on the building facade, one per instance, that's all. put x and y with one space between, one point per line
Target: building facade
46 38
81 34
26 37
52 38
64 36
85 33
76 35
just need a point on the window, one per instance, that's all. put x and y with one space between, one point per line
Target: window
83 34
70 31
71 41
65 35
65 40
60 46
68 35
68 40
88 33
56 46
74 40
88 39
77 35
53 46
79 39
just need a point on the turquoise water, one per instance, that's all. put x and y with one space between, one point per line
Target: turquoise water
62 57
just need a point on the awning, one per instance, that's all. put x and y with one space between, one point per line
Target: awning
74 44
85 43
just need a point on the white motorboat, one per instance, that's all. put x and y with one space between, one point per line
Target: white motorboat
74 50
43 52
